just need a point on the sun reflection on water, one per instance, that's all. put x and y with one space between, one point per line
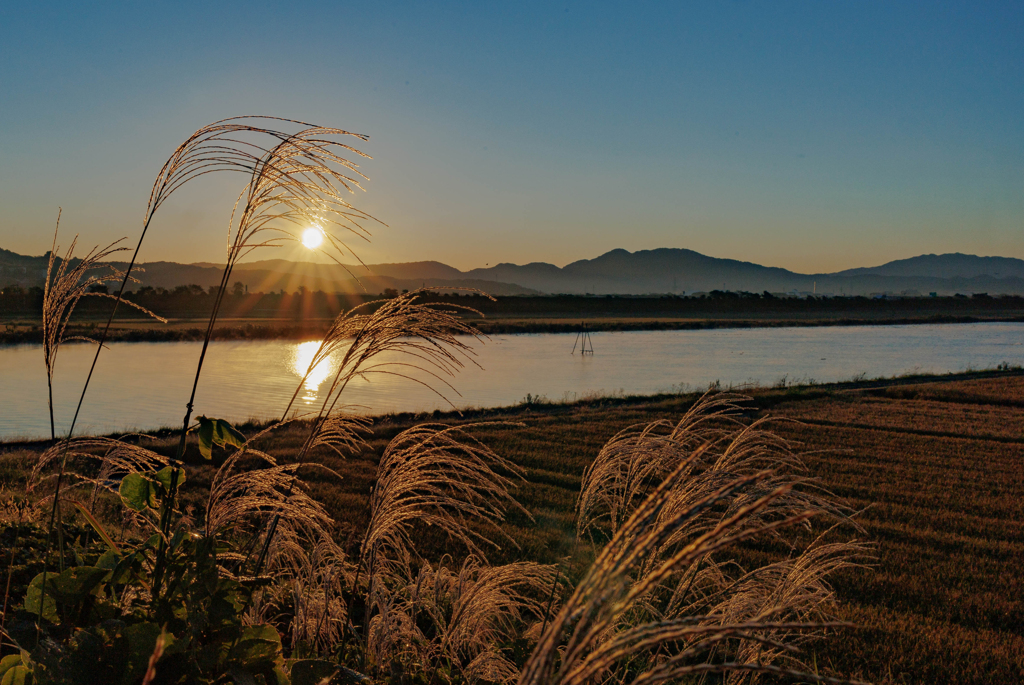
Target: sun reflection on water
318 374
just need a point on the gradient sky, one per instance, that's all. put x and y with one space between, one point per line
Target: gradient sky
814 136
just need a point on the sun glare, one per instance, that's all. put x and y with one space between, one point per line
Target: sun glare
303 357
312 237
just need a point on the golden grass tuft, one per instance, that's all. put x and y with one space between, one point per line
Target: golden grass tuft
68 280
661 601
438 476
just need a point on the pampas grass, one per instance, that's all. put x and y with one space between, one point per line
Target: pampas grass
432 338
67 281
436 476
665 598
474 607
108 458
661 602
251 486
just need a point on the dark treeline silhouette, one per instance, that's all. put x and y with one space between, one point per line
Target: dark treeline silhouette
193 301
743 304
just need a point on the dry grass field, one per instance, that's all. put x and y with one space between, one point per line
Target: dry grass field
937 466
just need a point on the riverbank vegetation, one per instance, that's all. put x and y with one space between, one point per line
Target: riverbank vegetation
932 464
308 315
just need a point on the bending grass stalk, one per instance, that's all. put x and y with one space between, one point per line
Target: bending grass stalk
646 550
63 287
54 520
294 174
168 509
210 149
431 331
46 338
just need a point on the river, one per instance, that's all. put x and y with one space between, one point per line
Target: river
140 386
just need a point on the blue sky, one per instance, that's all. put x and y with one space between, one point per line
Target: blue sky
811 135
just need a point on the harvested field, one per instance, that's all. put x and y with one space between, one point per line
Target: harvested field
937 467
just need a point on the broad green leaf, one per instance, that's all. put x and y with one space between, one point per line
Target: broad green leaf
257 644
9 662
75 583
108 560
167 474
19 675
142 639
217 432
138 492
34 595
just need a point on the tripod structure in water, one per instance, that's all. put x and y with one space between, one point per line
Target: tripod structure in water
583 340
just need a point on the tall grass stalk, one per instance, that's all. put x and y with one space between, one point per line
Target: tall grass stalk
420 338
68 279
293 183
664 600
657 601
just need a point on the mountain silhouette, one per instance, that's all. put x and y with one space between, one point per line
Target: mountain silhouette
666 270
955 265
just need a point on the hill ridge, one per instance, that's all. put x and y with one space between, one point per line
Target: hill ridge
660 270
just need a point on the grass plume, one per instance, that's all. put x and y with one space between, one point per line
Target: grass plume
658 602
68 279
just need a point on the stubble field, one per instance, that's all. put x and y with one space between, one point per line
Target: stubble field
936 466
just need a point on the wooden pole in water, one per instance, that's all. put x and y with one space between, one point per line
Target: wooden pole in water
582 338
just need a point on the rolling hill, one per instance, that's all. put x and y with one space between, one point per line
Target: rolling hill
677 271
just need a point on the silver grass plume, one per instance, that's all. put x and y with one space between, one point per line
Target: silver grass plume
658 598
439 476
427 338
68 280
475 609
250 486
100 462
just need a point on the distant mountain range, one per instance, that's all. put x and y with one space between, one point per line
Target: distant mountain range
617 272
679 271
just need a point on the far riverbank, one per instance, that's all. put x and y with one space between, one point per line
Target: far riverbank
183 330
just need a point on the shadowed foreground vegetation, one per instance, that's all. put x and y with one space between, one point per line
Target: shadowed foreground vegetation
937 467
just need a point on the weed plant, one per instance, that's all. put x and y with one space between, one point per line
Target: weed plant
243 578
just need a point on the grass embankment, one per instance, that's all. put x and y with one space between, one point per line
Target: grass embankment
936 464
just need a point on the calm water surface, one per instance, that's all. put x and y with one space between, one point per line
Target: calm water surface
145 385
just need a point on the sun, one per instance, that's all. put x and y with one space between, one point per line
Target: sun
312 237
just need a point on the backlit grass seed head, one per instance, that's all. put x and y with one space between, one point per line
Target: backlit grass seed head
426 343
295 179
659 601
100 462
251 486
68 280
479 606
438 476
